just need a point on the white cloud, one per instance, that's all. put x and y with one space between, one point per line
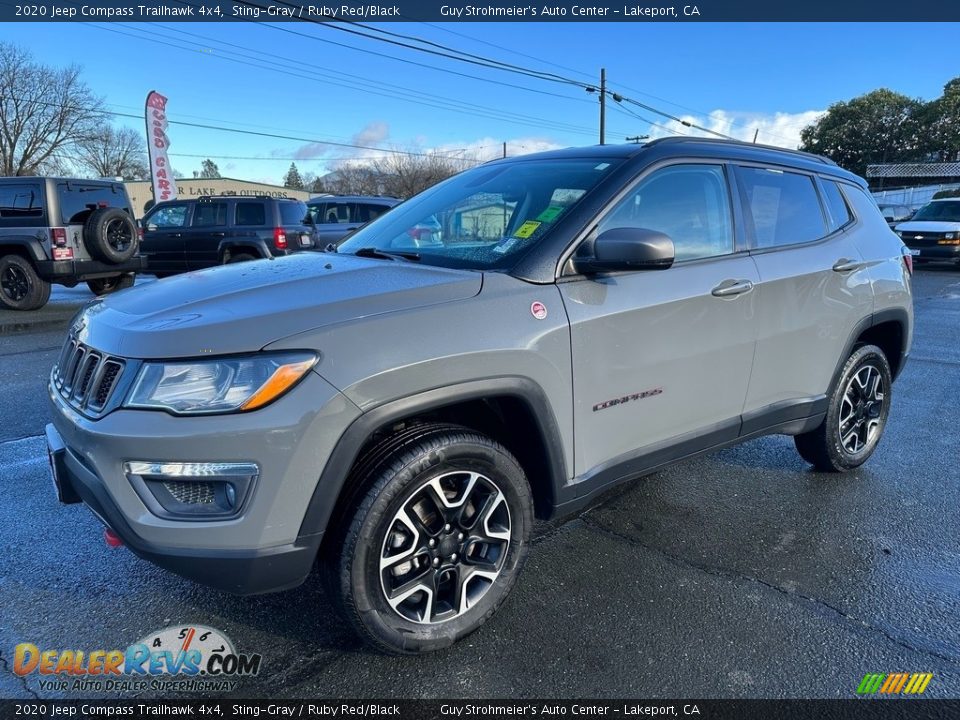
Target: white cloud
781 128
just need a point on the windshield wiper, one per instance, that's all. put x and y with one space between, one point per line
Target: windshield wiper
373 252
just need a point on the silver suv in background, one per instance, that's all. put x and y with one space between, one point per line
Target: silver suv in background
336 216
403 409
64 231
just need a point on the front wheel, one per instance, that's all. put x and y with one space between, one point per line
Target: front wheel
856 415
437 541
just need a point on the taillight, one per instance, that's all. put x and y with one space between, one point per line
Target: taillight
279 239
58 236
140 234
907 259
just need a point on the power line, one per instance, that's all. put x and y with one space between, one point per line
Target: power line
205 126
406 94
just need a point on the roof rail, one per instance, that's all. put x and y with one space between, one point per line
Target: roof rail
743 143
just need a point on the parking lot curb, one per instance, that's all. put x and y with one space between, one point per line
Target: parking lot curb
26 326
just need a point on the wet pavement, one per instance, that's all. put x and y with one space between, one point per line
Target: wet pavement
739 574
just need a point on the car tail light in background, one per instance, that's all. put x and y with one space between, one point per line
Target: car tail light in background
58 236
907 259
279 239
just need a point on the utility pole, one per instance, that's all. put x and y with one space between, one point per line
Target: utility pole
603 104
504 148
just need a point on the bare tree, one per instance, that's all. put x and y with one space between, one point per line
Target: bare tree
406 174
208 169
114 152
43 111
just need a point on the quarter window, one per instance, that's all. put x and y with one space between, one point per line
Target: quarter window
20 205
689 203
839 212
783 206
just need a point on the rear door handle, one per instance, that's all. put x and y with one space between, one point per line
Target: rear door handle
732 287
175 235
217 234
844 265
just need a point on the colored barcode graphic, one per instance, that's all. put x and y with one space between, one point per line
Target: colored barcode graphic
894 683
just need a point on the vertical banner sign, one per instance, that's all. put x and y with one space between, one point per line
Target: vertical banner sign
164 186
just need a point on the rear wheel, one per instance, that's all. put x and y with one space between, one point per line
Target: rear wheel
240 257
856 415
20 286
437 541
105 286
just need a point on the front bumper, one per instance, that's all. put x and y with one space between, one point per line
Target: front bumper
59 270
260 550
241 572
936 253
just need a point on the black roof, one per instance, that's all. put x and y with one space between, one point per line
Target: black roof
668 147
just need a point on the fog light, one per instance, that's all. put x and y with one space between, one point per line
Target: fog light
189 490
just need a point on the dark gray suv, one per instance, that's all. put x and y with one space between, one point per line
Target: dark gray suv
403 408
183 235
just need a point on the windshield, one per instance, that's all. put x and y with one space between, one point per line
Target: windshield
943 211
484 218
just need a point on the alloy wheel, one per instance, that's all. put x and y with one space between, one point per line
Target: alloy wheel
445 547
861 409
15 283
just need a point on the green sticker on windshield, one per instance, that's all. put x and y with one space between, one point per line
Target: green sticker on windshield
550 214
527 229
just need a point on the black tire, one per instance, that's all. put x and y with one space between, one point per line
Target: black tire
446 549
110 235
856 415
240 257
20 286
107 285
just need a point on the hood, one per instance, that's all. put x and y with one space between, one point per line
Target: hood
922 226
245 306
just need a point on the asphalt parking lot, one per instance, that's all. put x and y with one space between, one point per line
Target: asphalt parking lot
737 574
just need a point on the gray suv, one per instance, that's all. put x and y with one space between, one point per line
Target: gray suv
402 410
66 231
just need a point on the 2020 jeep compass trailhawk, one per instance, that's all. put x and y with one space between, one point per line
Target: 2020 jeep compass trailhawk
403 410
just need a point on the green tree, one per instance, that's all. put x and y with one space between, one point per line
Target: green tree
293 179
209 169
879 127
942 118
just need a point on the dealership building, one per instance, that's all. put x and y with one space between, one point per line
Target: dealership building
141 192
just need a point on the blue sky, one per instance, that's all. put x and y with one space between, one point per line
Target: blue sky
293 81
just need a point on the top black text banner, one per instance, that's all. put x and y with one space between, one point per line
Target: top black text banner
492 11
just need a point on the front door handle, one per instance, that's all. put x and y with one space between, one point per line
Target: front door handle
218 234
732 287
175 235
844 265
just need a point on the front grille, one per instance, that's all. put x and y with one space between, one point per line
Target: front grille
84 377
191 493
916 239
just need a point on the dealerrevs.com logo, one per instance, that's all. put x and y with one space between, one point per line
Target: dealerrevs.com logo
181 658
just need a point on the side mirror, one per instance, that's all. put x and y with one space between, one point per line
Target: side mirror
626 248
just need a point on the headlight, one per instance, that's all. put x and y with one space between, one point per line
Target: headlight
218 385
899 233
950 236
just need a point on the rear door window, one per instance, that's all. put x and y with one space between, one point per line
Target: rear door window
78 200
783 206
21 205
209 214
251 213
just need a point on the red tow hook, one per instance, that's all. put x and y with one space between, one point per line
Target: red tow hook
111 538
